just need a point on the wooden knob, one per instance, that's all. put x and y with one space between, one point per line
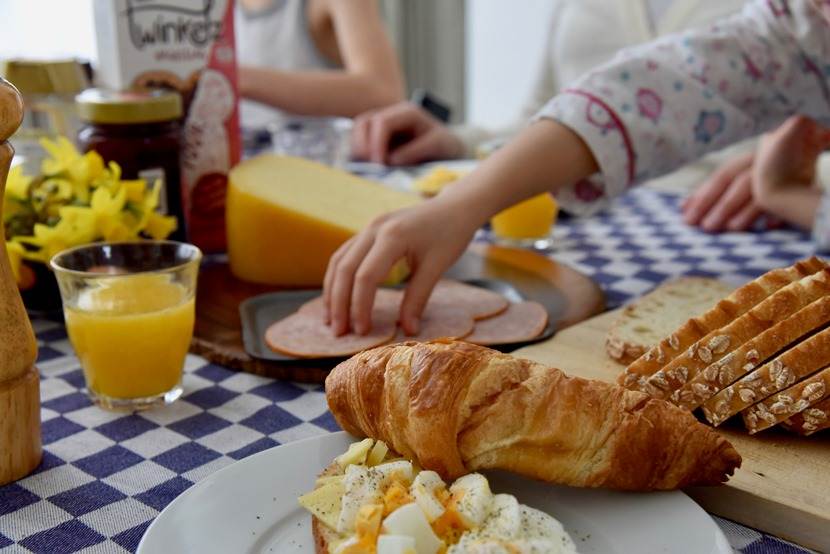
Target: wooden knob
11 109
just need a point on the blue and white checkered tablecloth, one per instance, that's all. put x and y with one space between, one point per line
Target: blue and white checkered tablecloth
106 475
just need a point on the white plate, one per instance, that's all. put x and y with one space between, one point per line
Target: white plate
251 506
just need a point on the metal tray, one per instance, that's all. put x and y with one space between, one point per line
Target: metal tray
259 312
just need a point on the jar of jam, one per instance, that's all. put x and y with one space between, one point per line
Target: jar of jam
140 131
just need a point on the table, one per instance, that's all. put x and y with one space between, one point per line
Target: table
105 476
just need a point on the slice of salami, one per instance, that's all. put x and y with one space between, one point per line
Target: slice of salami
388 299
305 335
441 321
520 322
479 302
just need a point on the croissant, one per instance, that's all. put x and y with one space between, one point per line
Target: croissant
455 407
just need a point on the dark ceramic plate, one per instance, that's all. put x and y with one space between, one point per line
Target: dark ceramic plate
259 312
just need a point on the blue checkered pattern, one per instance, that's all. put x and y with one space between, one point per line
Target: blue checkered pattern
105 475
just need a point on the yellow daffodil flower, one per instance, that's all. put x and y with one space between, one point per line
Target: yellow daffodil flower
159 226
15 252
17 184
76 201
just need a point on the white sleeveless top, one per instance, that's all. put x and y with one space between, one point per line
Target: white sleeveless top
276 37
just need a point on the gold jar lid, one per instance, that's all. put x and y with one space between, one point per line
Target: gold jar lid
107 106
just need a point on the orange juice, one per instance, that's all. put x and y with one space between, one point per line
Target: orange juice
131 334
531 219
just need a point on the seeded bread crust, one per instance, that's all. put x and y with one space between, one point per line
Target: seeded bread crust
628 338
753 353
811 420
803 359
789 402
724 312
668 382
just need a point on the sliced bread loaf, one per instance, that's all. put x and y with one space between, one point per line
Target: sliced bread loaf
642 324
724 312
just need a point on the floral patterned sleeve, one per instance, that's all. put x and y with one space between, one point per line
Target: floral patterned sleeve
657 106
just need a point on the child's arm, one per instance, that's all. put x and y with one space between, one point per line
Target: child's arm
659 106
370 78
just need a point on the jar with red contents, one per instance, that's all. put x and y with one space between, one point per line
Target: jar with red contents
140 131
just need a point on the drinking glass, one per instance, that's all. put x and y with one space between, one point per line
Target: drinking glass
130 309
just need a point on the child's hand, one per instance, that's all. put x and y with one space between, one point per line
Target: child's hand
784 172
724 201
403 134
787 157
430 236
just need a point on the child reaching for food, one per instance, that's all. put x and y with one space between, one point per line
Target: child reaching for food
651 109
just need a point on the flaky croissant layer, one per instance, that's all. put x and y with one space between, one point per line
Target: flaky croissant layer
455 408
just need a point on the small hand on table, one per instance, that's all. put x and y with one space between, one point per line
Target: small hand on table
778 180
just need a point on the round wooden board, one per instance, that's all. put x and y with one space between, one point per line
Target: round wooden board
218 333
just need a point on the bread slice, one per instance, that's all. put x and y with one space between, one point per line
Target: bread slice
789 402
752 354
736 304
721 342
658 313
798 362
811 420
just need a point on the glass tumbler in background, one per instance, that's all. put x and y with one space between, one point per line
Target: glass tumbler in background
528 224
130 311
321 139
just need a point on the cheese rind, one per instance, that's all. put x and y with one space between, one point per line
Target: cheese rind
287 216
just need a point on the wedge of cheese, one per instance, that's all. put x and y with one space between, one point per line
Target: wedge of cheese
286 217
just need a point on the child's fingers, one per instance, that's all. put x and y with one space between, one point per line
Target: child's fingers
417 294
420 149
360 136
328 278
702 201
392 121
374 267
343 279
736 197
744 218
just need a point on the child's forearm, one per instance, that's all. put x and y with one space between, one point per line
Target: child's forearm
543 158
336 93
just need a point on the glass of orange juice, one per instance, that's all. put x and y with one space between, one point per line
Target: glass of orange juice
527 224
130 310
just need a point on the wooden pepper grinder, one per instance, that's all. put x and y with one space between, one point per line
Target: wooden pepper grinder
20 448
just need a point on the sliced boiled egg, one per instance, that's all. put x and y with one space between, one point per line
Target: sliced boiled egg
400 469
505 517
396 544
537 525
410 521
425 489
361 486
471 498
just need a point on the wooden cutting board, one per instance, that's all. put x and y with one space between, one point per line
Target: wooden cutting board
218 333
783 485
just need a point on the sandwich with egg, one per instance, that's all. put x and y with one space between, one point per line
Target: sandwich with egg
369 501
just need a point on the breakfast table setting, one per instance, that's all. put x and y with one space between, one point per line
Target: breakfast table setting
186 396
105 476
